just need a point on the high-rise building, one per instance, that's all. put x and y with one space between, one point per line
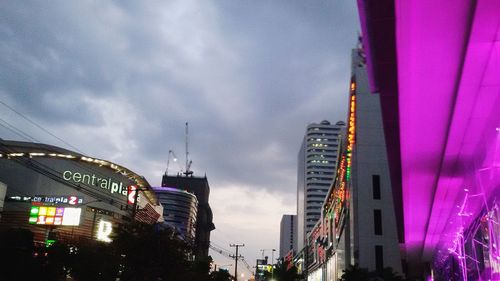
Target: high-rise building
204 219
179 211
288 234
317 163
358 223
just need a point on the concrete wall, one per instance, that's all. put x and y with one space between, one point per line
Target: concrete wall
369 159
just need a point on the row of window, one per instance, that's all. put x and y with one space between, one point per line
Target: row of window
318 184
319 167
321 156
322 145
323 129
319 179
319 161
322 134
316 196
320 173
322 150
322 139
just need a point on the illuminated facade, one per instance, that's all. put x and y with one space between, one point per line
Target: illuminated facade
64 195
436 67
317 162
358 223
204 217
179 210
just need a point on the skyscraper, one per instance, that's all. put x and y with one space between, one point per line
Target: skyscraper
288 234
317 162
358 220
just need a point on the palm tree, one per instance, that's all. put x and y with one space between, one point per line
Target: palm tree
355 273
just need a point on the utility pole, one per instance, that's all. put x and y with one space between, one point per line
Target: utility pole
272 263
236 257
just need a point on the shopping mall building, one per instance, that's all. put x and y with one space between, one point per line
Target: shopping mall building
64 195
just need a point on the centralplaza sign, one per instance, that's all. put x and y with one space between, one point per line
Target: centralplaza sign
91 179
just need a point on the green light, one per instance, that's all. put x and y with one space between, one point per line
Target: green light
33 220
49 242
34 210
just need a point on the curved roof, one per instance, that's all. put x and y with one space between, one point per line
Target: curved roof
10 149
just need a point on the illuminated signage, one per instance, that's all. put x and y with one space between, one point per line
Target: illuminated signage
338 196
46 215
48 199
104 183
131 193
351 131
70 200
104 230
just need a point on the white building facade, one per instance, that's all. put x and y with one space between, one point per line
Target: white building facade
317 162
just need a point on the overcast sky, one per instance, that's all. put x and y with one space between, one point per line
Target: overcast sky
119 79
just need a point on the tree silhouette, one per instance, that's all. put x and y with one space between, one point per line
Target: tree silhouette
355 273
93 261
281 273
221 275
149 253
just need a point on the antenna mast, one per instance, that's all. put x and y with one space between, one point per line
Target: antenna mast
187 151
188 162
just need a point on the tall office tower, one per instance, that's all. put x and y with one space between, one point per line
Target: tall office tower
317 163
288 234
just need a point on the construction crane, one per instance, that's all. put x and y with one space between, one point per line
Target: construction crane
188 171
171 155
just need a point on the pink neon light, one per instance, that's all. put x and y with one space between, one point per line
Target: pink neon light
449 102
448 56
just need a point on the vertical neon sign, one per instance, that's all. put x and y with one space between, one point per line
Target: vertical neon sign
338 196
351 131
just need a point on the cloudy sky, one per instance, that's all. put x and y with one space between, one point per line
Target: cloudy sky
118 80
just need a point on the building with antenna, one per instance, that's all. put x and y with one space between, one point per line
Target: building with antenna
185 181
60 194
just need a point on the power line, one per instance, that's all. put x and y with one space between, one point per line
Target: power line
17 131
29 137
39 126
229 255
26 136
